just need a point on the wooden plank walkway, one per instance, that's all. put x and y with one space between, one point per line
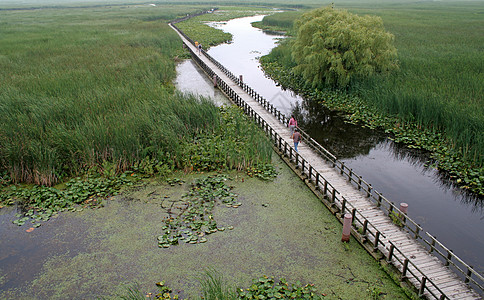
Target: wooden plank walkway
406 254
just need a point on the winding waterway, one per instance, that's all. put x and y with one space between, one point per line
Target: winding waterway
455 218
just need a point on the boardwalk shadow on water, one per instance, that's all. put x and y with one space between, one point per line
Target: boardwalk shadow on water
281 230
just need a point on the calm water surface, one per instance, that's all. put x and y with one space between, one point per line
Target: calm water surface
400 174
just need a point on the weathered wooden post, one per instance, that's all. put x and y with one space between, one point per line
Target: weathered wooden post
214 80
241 79
346 228
404 210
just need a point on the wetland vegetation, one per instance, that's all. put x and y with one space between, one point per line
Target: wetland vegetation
433 102
90 117
98 96
95 101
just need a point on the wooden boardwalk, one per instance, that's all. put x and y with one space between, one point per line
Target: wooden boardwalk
376 231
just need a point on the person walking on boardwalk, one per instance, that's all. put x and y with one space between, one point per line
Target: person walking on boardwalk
199 48
292 124
296 137
196 44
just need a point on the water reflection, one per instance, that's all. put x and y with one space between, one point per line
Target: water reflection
401 174
191 79
329 129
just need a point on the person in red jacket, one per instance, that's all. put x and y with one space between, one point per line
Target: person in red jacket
292 124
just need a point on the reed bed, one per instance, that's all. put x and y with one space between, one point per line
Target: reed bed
282 21
87 88
439 84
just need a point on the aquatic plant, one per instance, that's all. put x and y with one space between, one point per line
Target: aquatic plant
267 288
214 287
236 144
195 218
40 203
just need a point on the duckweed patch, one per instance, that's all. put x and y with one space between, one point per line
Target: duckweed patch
194 220
294 236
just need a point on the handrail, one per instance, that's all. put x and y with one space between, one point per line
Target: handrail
369 231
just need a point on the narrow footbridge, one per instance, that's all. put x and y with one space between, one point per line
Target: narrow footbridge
420 260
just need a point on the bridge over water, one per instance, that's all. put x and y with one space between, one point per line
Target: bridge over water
382 228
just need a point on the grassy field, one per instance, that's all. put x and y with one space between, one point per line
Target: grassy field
87 87
439 84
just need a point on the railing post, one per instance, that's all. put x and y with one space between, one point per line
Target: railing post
469 274
449 257
390 253
342 168
417 231
422 286
343 205
432 245
365 227
377 240
353 215
404 269
317 180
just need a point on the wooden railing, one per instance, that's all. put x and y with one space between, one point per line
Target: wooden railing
361 225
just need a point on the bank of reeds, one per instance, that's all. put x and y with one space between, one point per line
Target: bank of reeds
282 21
89 88
439 84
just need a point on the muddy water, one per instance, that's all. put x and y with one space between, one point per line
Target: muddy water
455 218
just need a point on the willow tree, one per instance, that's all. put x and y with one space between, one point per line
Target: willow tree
333 46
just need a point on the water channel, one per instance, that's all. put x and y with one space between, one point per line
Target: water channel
455 218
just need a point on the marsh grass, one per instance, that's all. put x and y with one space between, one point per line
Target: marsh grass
214 287
439 84
91 88
282 21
